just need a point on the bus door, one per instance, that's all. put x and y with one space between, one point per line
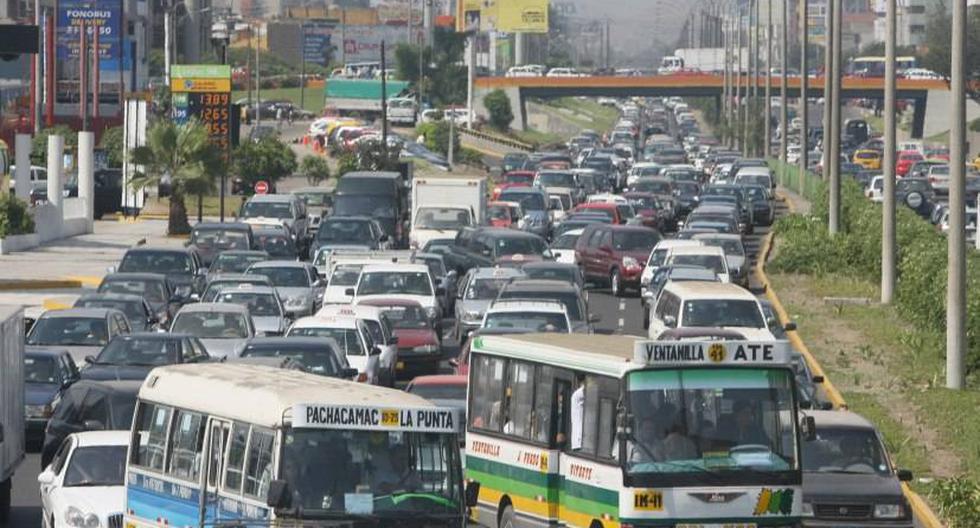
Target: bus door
216 446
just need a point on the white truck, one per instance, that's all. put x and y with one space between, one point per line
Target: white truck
441 206
707 60
11 401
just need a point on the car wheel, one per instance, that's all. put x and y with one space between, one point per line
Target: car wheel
616 283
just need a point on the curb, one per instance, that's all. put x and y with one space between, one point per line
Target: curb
88 281
920 509
39 284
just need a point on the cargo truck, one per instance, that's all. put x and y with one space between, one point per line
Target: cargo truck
11 401
360 97
443 206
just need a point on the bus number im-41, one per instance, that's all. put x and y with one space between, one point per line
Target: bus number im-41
648 500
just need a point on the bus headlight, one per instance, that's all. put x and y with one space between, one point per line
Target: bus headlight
807 509
888 511
79 519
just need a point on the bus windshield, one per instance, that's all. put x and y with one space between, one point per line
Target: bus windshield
707 424
335 473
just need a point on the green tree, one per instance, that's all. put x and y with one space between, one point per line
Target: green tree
268 159
183 153
315 169
112 144
39 146
498 105
938 43
15 219
443 74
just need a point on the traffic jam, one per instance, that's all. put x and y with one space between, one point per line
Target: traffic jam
449 350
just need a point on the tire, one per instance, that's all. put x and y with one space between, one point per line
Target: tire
5 502
646 318
506 517
616 283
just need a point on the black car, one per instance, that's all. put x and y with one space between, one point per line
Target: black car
155 288
139 313
90 406
318 355
486 247
47 375
182 267
360 232
916 194
276 242
133 356
848 478
210 238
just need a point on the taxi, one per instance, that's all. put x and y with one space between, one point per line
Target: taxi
867 158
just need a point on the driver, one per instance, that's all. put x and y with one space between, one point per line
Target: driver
391 469
852 452
746 429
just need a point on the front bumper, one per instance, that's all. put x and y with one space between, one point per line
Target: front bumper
856 523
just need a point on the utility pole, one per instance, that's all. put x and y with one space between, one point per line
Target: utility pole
783 65
835 97
888 163
956 285
302 74
828 67
804 96
258 78
767 144
748 80
39 69
739 101
168 22
726 92
384 102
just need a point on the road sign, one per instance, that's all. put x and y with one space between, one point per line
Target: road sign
261 187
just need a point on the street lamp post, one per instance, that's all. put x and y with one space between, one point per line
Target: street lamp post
767 144
804 96
783 107
888 162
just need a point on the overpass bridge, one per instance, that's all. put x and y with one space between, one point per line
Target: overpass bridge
519 89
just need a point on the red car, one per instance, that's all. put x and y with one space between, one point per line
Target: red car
442 389
608 208
615 254
906 159
504 214
419 351
518 178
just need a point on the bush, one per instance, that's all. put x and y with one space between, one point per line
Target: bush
437 137
958 501
14 217
498 106
268 159
112 143
315 169
470 157
39 146
347 162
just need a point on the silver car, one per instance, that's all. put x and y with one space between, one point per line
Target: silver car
476 291
297 283
263 305
224 328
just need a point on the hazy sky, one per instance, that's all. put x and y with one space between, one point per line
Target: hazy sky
639 25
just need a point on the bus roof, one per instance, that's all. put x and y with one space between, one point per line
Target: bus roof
261 395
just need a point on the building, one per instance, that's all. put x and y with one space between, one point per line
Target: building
912 18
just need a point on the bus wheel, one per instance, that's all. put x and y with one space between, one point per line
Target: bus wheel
506 517
595 524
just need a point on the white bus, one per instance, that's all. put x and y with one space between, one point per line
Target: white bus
595 431
281 446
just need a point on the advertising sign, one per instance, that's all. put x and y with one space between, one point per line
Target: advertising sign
203 92
99 16
468 15
521 16
363 43
316 43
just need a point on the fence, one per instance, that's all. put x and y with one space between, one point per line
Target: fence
788 175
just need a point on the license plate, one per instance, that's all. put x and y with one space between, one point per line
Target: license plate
400 365
722 525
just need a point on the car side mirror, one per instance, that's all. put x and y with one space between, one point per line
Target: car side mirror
93 425
46 478
90 359
375 351
595 318
472 494
808 428
393 340
349 373
279 496
790 326
670 321
904 475
349 292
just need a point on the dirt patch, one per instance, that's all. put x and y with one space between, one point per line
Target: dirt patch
860 365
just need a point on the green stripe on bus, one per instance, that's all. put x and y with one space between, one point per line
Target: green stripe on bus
500 469
512 487
590 493
590 508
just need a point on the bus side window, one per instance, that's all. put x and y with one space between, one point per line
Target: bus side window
487 399
258 469
542 414
235 461
153 423
518 411
186 442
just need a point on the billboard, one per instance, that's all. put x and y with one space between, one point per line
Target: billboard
468 15
363 43
104 17
316 43
521 16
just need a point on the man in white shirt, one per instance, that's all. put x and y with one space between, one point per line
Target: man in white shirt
577 412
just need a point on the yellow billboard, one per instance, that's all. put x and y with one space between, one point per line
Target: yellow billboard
468 15
521 16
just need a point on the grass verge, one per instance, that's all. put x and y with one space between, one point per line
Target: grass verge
587 113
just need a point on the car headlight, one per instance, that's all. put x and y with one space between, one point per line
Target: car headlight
630 263
807 509
889 511
37 411
471 316
431 312
79 519
426 349
296 302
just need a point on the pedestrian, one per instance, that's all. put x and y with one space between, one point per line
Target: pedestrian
279 116
289 115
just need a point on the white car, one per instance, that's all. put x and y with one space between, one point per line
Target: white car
400 281
658 256
563 246
793 153
563 72
381 334
342 277
875 189
535 316
352 335
709 304
711 257
85 483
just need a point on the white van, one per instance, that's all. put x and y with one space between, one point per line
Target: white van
402 110
670 64
712 305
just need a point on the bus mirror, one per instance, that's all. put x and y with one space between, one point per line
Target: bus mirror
472 494
809 429
279 496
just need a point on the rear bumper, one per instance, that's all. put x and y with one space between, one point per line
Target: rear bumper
411 364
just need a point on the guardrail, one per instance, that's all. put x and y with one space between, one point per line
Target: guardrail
927 518
498 140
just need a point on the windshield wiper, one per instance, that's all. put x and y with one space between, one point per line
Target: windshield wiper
93 483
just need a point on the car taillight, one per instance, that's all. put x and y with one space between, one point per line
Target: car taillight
362 377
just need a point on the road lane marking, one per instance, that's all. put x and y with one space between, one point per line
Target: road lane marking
621 322
622 306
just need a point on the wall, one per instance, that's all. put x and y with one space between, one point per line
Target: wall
47 226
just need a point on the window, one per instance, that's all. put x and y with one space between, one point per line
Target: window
487 388
518 412
544 398
152 423
601 395
668 305
186 442
61 456
258 470
236 458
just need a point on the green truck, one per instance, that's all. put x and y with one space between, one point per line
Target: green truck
363 96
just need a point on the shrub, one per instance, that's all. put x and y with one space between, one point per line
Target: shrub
958 501
470 157
498 106
14 216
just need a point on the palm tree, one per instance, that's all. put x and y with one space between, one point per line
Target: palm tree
185 154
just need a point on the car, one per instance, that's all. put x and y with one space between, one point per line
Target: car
353 338
318 355
511 179
133 356
606 208
489 246
713 304
222 327
657 257
80 331
532 315
548 270
563 246
85 484
182 267
615 255
534 203
288 210
319 204
232 280
735 256
505 214
848 477
380 333
297 283
868 158
938 176
276 241
155 288
671 273
138 312
419 348
209 239
263 304
476 290
47 375
234 261
705 256
90 406
905 160
571 296
761 201
401 281
444 390
348 232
